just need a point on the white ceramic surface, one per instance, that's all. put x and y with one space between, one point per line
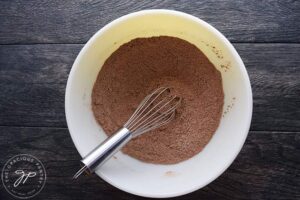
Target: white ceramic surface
151 180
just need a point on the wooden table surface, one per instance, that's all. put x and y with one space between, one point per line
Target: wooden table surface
39 41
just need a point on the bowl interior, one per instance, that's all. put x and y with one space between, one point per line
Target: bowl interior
152 180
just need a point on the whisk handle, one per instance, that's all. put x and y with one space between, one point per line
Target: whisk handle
106 149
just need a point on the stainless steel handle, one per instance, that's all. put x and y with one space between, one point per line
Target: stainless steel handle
104 151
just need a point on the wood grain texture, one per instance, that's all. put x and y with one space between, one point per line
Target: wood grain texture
33 80
266 168
74 21
274 72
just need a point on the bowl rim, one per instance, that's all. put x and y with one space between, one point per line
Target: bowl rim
228 45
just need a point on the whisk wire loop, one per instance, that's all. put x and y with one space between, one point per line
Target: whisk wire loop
139 111
155 110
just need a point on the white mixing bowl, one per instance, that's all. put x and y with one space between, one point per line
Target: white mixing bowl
151 180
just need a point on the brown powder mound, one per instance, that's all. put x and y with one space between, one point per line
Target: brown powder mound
144 64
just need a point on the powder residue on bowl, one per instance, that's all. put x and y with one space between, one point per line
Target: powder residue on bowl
144 64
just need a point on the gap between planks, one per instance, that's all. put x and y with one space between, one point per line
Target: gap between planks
233 42
60 127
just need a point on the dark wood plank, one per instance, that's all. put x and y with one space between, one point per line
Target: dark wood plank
266 168
74 21
274 72
33 80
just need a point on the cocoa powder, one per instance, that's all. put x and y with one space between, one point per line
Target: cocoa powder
144 64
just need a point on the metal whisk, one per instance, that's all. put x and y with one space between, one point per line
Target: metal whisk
156 110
